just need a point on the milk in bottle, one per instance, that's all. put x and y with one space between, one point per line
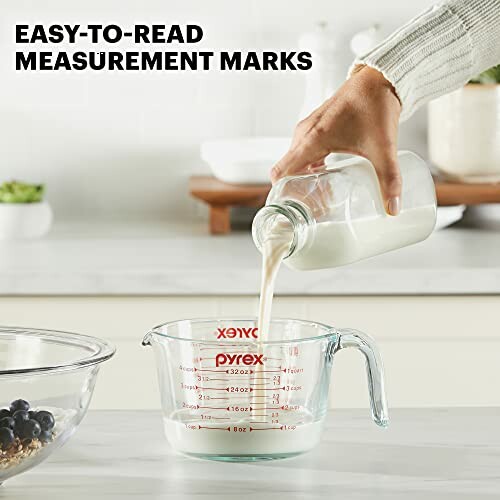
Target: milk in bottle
337 216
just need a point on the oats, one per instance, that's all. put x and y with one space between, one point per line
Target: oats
20 451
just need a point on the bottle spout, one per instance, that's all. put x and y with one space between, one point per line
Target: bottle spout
289 218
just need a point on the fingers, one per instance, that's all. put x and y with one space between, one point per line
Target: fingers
303 159
387 168
293 161
317 165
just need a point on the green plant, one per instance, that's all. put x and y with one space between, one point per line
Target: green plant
21 192
491 75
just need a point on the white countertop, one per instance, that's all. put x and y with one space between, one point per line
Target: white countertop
438 454
156 260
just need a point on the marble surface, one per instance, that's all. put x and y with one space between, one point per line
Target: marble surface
165 260
437 454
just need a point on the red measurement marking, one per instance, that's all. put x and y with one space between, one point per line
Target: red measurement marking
217 348
265 429
206 370
212 407
187 369
272 371
212 388
220 379
271 389
228 429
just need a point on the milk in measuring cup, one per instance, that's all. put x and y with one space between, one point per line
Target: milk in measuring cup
243 437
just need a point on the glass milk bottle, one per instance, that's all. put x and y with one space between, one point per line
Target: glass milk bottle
337 216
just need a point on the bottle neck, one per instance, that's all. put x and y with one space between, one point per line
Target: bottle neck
285 217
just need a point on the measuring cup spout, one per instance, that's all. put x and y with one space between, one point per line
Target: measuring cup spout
147 339
374 370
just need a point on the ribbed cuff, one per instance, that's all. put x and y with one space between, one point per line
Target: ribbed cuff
481 19
427 57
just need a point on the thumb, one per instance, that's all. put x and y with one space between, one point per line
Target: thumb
389 175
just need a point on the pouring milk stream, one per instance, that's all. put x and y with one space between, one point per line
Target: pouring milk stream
276 246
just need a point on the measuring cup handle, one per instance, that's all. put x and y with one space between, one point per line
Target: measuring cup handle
374 370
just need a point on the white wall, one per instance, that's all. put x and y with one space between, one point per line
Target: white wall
122 145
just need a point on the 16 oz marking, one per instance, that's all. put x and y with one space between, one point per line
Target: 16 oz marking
240 408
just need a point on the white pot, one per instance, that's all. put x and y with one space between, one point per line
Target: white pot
464 133
24 220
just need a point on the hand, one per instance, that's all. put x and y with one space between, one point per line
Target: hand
362 118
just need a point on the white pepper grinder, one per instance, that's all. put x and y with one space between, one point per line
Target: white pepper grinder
365 40
326 74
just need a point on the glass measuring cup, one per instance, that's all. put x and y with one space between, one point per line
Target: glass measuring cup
228 396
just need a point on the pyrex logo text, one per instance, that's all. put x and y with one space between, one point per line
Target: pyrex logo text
242 333
239 359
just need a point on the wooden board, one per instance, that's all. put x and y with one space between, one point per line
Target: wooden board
454 193
220 197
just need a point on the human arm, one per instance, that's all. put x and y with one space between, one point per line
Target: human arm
435 53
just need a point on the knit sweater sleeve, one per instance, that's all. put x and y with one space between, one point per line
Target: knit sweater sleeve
438 51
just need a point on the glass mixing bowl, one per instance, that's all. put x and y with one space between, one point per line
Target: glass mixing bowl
54 372
227 395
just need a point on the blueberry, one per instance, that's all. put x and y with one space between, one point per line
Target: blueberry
31 429
5 412
7 422
6 437
20 416
45 419
45 436
32 414
19 404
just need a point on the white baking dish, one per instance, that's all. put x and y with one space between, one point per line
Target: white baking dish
246 160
